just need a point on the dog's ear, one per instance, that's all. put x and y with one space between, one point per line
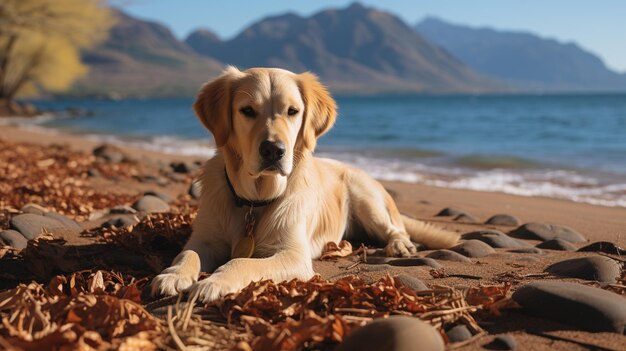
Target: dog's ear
320 109
213 104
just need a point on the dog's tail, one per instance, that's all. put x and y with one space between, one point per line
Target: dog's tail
428 234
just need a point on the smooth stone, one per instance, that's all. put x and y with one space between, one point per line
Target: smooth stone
415 261
396 333
544 232
31 225
412 282
447 255
504 220
585 307
473 248
151 204
557 244
34 209
109 153
13 238
465 218
603 246
122 209
502 342
195 189
458 333
122 221
67 222
449 211
599 268
163 196
531 250
378 260
495 239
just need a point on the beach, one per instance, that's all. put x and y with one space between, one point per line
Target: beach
153 171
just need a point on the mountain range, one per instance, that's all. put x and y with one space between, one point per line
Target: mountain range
354 50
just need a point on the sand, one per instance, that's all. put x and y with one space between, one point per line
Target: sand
596 223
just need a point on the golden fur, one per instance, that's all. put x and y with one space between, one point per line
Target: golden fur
316 200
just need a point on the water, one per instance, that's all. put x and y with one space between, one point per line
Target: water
564 146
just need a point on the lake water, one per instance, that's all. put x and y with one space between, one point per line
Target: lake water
564 146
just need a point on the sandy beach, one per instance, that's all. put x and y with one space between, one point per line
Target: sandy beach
145 171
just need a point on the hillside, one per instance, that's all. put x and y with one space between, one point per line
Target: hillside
524 59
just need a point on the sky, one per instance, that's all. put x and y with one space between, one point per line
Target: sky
598 26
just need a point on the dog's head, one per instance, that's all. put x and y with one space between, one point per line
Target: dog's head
267 116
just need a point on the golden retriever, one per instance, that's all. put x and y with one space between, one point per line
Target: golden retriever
266 123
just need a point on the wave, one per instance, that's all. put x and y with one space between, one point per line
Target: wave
496 161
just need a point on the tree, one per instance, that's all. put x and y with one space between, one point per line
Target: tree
40 43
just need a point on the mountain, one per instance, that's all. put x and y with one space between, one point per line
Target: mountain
524 59
351 49
142 58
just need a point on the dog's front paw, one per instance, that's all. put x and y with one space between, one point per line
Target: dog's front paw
400 247
213 288
170 283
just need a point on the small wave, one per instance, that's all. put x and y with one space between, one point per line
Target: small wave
496 162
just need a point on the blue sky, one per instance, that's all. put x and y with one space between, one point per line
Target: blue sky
599 25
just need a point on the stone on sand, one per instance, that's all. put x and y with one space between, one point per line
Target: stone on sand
585 307
447 255
122 209
13 238
396 333
163 196
415 261
67 222
122 221
557 244
473 248
458 333
465 218
450 211
34 209
544 232
151 204
109 153
604 246
412 282
504 220
31 225
599 268
495 238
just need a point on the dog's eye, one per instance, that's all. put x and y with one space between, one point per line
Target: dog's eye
248 111
292 111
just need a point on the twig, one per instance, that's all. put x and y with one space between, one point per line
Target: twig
170 326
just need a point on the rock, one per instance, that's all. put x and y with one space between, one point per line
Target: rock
412 282
585 307
195 189
465 218
378 260
504 220
603 246
544 232
183 166
458 333
13 238
34 209
473 248
502 342
600 268
447 255
496 239
449 211
67 222
415 261
557 244
110 153
530 249
122 221
163 196
151 204
31 225
122 209
396 333
93 172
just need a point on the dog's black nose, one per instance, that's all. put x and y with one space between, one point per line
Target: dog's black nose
272 151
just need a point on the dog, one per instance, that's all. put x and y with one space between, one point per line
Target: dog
268 206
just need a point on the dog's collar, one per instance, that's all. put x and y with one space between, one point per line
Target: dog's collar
240 202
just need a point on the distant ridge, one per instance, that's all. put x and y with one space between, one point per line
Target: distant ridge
524 59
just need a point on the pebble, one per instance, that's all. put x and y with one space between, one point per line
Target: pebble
122 221
412 282
585 307
557 244
450 211
34 209
151 204
109 153
13 238
183 166
163 196
502 342
396 333
544 232
504 220
31 225
415 261
195 189
600 268
473 248
122 209
495 238
67 222
458 333
465 218
447 255
603 246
